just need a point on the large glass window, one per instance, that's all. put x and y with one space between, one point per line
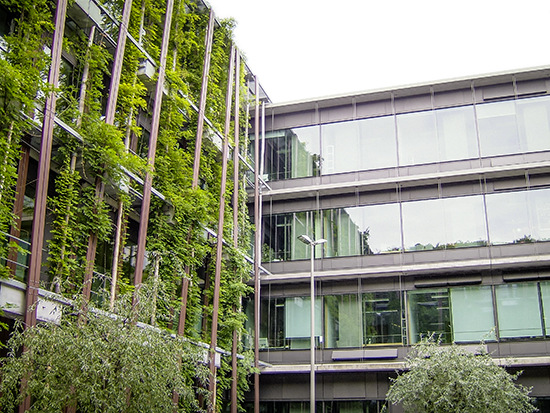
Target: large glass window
545 298
281 232
519 217
429 314
343 326
358 145
472 314
362 230
417 137
498 129
518 310
382 318
456 133
298 321
534 123
290 153
444 223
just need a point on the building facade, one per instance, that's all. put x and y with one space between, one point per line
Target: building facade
434 202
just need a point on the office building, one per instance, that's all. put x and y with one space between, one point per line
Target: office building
434 202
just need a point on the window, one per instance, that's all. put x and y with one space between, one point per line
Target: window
472 314
444 223
429 314
382 318
417 137
298 321
343 321
358 145
290 153
518 310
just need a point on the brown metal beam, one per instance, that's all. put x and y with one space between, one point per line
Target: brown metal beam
109 119
117 63
39 215
196 162
22 171
155 122
236 126
219 241
257 247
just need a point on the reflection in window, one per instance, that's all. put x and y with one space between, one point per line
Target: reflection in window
534 123
498 129
429 314
417 136
382 318
456 133
290 153
281 234
343 321
362 230
519 217
358 145
545 298
518 310
444 223
472 314
298 321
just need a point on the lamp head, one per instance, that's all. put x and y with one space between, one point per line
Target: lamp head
306 240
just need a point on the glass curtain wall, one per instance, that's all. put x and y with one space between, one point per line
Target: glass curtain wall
446 223
439 135
462 314
290 153
358 145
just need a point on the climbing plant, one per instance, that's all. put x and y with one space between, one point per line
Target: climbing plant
23 67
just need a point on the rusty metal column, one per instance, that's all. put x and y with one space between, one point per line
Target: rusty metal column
196 162
109 119
117 64
39 215
146 203
15 231
236 125
219 240
257 246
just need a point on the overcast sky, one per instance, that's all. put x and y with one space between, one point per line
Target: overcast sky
302 49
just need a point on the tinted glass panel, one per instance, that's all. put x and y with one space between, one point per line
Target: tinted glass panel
417 137
429 314
519 217
518 310
343 326
290 153
444 223
534 123
358 145
382 318
472 314
456 132
362 230
498 129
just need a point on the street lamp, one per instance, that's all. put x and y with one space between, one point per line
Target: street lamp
308 241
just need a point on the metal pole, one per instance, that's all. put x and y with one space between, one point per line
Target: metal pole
155 122
196 162
312 333
39 215
257 247
219 241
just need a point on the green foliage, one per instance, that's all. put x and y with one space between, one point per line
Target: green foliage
443 379
104 365
22 74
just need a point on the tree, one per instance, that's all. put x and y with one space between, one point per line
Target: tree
441 379
105 364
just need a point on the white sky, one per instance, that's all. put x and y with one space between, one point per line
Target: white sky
302 49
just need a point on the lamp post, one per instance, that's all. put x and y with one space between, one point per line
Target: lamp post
308 241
